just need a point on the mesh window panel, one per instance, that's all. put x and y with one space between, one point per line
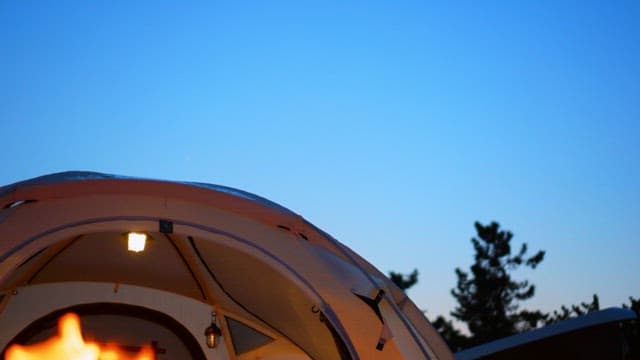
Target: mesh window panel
245 338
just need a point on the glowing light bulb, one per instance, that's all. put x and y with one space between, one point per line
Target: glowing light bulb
136 241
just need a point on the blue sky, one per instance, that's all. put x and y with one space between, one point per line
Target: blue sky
391 125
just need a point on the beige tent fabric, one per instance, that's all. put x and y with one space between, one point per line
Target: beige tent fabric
237 252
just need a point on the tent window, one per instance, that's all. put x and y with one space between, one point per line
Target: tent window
245 338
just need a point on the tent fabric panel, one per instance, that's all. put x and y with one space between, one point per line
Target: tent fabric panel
103 257
26 271
322 270
358 318
270 296
415 317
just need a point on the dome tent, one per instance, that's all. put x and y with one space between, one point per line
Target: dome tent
275 285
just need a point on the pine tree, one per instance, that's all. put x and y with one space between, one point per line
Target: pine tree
631 329
404 282
488 297
575 310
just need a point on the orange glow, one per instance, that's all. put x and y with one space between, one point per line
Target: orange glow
69 345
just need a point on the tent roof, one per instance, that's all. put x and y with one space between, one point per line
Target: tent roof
69 176
237 251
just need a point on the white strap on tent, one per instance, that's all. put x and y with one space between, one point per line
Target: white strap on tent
385 335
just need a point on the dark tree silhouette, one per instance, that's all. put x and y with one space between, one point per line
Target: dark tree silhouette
454 338
488 298
632 329
404 282
575 310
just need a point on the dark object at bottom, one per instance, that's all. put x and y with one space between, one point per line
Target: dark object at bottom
597 335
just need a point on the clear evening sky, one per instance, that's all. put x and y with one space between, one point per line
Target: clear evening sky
392 125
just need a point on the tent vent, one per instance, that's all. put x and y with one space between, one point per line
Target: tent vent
18 203
284 227
303 236
245 338
166 226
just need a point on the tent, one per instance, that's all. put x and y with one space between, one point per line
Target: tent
216 260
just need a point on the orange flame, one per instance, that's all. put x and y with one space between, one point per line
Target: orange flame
69 345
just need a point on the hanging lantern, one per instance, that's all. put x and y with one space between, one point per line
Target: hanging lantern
213 332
